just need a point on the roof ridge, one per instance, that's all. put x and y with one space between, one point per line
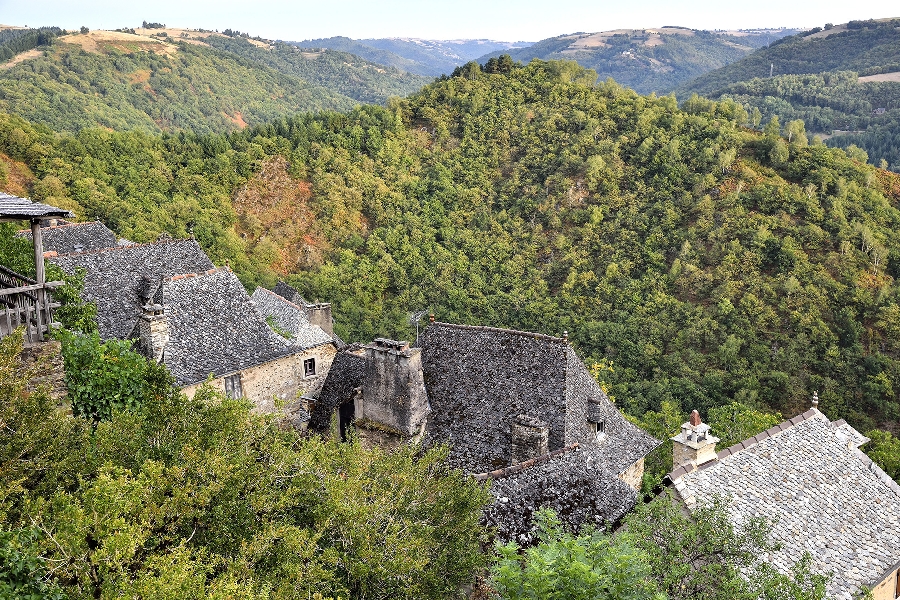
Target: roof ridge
519 467
63 225
282 298
130 246
537 336
212 271
743 445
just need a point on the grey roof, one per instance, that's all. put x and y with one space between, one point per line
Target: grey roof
74 237
347 372
214 328
289 318
823 494
115 274
573 481
479 378
13 207
289 293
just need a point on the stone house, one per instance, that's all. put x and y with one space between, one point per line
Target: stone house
200 322
822 494
519 409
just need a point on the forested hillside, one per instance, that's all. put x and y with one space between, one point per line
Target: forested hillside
856 46
122 80
425 57
647 60
694 260
841 107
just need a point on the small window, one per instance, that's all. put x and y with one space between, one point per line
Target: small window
598 428
309 367
233 386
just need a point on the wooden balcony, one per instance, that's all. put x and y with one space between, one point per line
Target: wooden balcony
26 302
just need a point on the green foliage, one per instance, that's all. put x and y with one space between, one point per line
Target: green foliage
703 555
736 422
563 566
23 574
16 41
203 498
103 377
884 449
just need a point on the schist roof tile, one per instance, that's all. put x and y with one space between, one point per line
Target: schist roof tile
13 207
289 318
114 276
823 495
214 328
480 378
74 237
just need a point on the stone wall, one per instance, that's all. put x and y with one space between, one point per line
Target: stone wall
529 438
634 474
281 378
45 362
394 391
888 587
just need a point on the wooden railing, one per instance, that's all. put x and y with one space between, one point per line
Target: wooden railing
25 303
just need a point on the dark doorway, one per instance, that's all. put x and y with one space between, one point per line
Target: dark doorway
345 417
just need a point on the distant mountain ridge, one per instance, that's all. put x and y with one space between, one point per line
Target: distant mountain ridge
424 57
648 60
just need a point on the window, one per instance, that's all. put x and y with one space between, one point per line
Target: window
309 367
233 386
598 429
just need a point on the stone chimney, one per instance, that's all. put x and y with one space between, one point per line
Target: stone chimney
694 444
393 392
529 438
320 314
153 331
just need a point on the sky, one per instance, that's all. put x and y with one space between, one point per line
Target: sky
528 20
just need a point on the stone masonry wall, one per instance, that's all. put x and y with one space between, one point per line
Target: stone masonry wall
393 391
281 378
46 362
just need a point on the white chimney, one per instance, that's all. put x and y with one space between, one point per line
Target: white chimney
694 444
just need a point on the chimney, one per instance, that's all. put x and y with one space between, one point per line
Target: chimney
153 331
320 314
394 387
529 438
694 444
815 400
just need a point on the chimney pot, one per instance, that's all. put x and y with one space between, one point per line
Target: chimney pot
815 400
695 418
431 318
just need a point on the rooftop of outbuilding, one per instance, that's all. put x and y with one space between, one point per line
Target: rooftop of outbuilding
823 495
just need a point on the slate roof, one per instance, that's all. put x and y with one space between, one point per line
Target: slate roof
347 372
13 207
115 274
214 328
74 237
289 318
824 495
289 293
573 481
479 378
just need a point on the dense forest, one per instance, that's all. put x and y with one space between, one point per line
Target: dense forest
166 84
863 113
694 260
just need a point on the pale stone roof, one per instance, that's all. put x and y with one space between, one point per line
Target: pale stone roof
824 495
289 318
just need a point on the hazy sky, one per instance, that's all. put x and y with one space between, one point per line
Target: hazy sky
495 19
